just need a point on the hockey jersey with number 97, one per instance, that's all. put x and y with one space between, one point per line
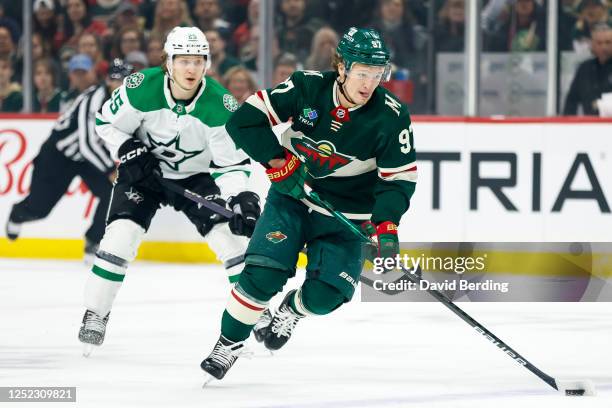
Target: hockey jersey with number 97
362 160
188 137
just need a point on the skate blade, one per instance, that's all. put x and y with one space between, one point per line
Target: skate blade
87 349
207 380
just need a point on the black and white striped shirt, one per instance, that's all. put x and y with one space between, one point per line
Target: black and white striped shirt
74 133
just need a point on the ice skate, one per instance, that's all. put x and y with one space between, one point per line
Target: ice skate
282 325
222 358
259 330
12 230
92 331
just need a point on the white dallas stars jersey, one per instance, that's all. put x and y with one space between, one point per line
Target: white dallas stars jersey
186 138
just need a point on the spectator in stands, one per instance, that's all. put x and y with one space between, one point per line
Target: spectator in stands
81 76
250 52
221 61
594 76
128 39
239 81
45 20
103 10
75 22
126 15
11 98
449 31
323 48
407 42
285 65
207 15
40 48
342 14
242 34
404 37
523 28
155 50
169 14
11 9
295 29
590 13
47 95
89 44
138 60
8 38
567 18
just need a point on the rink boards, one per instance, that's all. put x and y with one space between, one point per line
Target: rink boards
479 180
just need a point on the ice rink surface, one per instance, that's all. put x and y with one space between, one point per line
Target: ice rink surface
167 318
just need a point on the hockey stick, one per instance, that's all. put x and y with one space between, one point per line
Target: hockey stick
568 387
195 197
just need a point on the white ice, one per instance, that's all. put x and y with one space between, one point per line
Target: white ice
167 317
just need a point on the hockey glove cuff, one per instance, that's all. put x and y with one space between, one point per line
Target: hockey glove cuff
246 212
290 178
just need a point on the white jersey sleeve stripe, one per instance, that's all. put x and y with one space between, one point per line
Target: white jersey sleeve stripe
264 95
258 103
396 169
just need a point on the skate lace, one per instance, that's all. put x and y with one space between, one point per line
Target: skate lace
226 355
264 320
95 322
284 322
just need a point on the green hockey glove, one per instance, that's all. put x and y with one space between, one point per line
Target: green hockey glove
384 236
290 178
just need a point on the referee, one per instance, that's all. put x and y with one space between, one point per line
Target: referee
73 149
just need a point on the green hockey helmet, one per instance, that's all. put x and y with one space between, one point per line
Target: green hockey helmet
365 46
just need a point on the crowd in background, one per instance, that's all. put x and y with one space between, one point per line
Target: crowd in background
74 40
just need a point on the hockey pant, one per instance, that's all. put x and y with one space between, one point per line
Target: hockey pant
131 211
52 174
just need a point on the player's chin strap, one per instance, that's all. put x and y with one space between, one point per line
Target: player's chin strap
341 86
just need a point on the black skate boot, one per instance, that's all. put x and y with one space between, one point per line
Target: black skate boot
260 328
282 325
222 358
92 331
12 230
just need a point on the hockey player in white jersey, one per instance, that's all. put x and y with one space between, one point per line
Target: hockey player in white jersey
169 120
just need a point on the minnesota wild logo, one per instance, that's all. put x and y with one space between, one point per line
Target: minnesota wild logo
322 157
275 237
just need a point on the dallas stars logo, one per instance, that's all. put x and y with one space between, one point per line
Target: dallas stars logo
134 196
171 152
322 157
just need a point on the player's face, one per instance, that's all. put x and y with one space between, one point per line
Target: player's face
188 70
361 81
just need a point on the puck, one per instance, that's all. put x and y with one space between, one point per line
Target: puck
574 392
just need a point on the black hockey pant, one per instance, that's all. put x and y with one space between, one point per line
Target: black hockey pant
53 172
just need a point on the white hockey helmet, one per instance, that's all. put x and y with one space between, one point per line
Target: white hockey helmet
186 41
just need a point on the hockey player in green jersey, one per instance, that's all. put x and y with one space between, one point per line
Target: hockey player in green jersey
351 141
169 121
